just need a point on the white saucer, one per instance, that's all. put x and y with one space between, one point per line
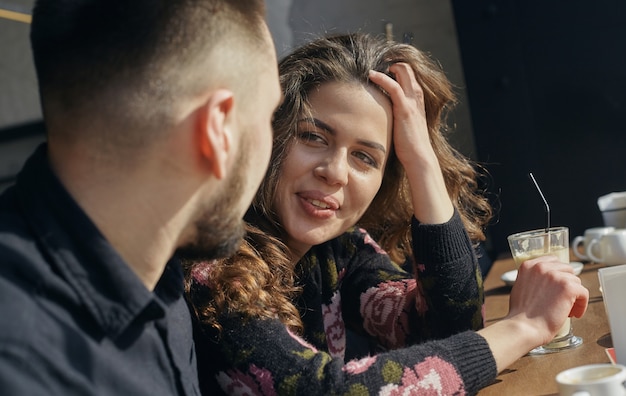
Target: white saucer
577 266
509 277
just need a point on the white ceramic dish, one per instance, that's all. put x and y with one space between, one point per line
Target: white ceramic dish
578 267
509 277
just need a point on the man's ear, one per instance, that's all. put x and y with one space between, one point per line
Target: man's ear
216 130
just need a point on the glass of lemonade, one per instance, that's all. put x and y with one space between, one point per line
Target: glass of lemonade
536 243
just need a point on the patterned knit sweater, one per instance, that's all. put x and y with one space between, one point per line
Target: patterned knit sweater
370 327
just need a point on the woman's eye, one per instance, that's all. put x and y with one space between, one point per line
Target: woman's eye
311 137
366 158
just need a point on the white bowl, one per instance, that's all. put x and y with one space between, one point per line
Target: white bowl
509 277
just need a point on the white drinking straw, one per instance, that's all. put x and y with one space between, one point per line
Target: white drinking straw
547 209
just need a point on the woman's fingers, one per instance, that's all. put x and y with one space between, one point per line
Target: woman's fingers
404 90
410 126
406 79
547 290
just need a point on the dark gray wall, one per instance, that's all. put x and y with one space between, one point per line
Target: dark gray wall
19 102
18 90
547 92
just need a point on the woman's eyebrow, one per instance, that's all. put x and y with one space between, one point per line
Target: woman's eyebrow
319 124
322 125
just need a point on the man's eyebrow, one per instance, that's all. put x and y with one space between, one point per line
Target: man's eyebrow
322 125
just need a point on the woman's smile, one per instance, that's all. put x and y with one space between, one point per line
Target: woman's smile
334 168
316 204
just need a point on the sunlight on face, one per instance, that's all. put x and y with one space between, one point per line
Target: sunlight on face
255 121
334 170
219 230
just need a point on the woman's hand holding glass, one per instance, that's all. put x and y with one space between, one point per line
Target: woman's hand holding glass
545 294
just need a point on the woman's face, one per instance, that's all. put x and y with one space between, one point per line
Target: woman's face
335 167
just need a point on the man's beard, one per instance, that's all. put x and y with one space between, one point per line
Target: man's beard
220 230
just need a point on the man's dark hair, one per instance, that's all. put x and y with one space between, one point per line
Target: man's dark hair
132 61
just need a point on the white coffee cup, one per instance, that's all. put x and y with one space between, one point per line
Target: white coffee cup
611 248
603 379
614 217
613 208
590 235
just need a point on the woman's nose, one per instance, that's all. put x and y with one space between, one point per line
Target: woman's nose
334 169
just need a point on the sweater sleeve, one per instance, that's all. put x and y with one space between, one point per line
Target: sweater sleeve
449 276
261 357
443 297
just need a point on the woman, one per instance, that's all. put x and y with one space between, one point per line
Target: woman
311 304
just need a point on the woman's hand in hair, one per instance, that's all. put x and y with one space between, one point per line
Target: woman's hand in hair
431 202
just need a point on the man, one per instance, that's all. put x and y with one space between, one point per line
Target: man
158 122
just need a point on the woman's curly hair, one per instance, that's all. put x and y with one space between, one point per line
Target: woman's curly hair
257 281
343 58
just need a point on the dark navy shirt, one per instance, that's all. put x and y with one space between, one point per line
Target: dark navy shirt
74 318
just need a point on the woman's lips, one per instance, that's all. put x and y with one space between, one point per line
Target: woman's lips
318 205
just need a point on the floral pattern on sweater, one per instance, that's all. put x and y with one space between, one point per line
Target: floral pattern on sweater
371 328
384 308
433 376
334 328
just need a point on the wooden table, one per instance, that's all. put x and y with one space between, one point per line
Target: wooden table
534 375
